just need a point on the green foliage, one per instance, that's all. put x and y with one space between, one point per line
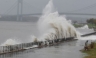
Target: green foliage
91 20
77 25
91 53
91 25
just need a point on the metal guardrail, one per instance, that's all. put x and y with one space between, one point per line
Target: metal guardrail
24 46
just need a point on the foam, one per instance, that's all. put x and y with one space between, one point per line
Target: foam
10 42
52 25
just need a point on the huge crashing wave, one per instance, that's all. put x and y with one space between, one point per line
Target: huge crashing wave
54 26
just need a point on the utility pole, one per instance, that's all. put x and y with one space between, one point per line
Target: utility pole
19 10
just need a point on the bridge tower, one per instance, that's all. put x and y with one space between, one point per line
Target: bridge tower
19 10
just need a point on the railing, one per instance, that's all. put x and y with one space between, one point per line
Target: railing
24 46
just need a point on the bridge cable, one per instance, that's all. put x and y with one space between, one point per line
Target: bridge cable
9 10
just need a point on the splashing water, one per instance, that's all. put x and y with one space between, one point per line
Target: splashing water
33 38
84 27
54 26
92 37
10 42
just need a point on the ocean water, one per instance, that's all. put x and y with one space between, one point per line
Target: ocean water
21 31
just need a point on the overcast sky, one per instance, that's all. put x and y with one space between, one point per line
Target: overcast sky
36 6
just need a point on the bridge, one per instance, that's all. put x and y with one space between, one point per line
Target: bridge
19 5
86 14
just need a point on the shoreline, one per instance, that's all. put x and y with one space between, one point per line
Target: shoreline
91 53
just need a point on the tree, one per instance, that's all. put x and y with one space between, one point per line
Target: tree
91 20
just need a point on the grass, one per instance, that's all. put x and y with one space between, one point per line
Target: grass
91 53
91 25
77 25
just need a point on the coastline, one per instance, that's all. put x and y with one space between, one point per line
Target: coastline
91 53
